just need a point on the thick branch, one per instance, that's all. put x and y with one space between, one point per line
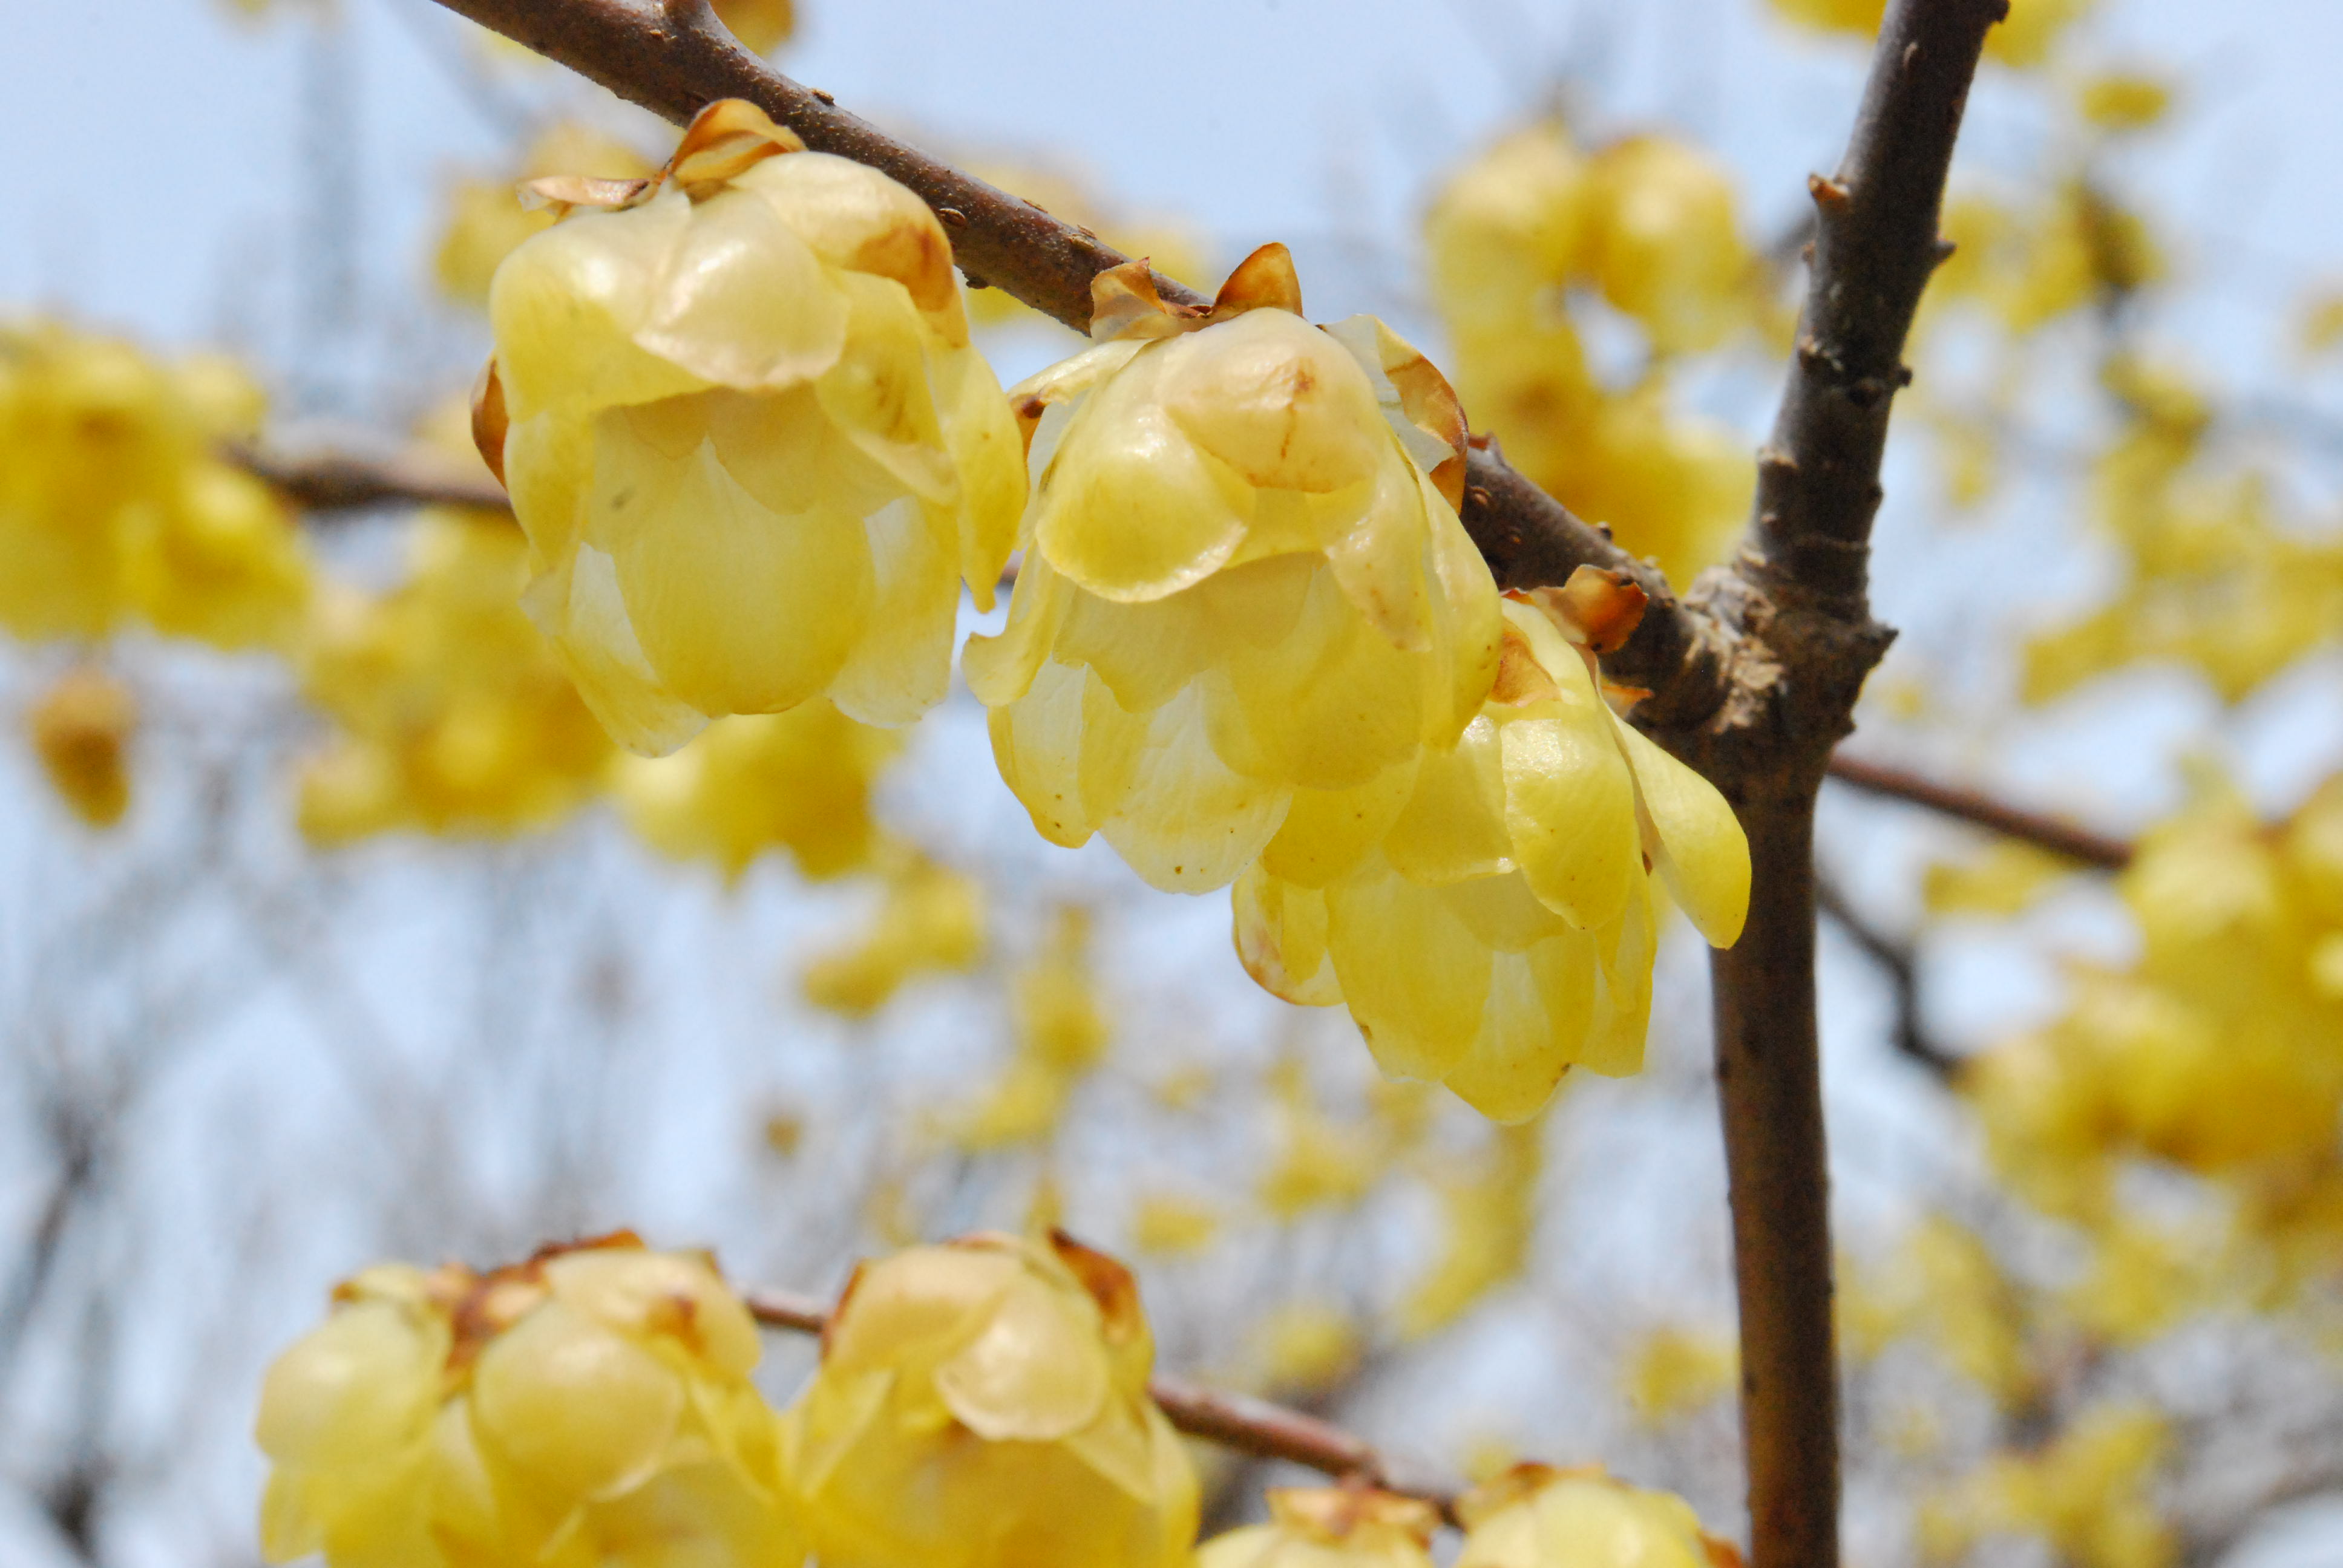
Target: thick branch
1796 605
2060 837
1250 1426
673 59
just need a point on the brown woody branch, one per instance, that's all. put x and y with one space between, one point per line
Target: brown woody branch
1795 609
1238 1421
2043 831
343 481
1901 965
674 58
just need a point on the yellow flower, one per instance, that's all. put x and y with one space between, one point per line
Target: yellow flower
1241 577
1169 1223
1534 1516
1509 230
114 503
930 919
2024 39
81 728
798 780
2086 1493
451 714
1329 1527
1308 1346
592 1406
983 1404
1486 911
751 447
1674 1372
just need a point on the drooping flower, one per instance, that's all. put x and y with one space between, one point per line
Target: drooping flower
983 1404
592 1406
1243 576
741 423
1329 1527
1535 1516
81 730
1486 911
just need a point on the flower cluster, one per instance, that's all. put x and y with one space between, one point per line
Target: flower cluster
1650 226
115 503
744 430
1534 1516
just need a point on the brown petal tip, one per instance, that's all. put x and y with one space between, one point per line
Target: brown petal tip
1265 280
489 421
1596 609
723 141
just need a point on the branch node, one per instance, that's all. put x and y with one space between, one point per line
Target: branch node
951 217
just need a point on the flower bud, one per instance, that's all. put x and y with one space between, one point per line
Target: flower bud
1535 1516
1486 911
983 1404
1243 576
743 427
589 1406
1329 1527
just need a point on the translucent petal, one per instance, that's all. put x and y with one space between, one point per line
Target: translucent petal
852 216
1622 1000
566 302
1132 509
1539 1003
1503 912
878 394
1188 824
902 667
1277 401
1570 802
1147 652
1414 975
1327 831
643 1292
1467 622
1035 1373
1037 743
584 617
356 1388
1698 846
982 436
740 301
786 451
1454 826
577 1406
1380 561
739 609
1001 669
1281 938
549 472
1326 707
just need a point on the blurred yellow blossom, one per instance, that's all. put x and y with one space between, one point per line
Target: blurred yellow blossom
762 25
2124 101
487 218
1062 1031
1319 1161
1003 1383
1490 1212
798 780
115 503
744 429
449 712
1673 1370
81 730
1169 1223
1996 881
590 1406
2086 1493
930 919
1308 1345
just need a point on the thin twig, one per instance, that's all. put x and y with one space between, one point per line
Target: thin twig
1234 1420
675 58
2046 832
344 481
1902 967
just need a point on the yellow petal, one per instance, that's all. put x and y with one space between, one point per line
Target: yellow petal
1622 993
1037 743
1540 1003
1467 624
565 304
1326 831
1570 804
1188 824
1327 707
577 1406
1281 938
902 667
1035 1372
1131 508
1698 848
1454 826
852 216
1414 975
739 609
1001 669
740 301
982 435
584 616
1276 399
356 1388
1380 560
877 391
